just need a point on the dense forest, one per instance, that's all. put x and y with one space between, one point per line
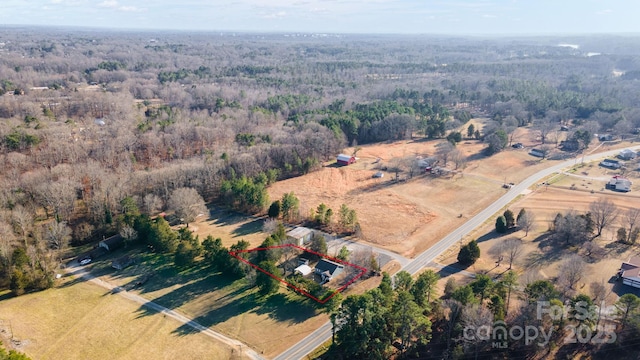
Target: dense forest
94 123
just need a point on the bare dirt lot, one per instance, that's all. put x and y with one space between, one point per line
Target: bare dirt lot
409 216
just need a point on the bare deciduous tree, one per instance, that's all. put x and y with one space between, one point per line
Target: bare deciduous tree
22 220
57 234
477 317
603 213
526 222
513 249
599 293
187 204
543 128
128 233
58 196
270 225
572 228
459 159
497 252
444 151
151 204
571 271
631 218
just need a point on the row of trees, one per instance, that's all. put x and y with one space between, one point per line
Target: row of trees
366 326
575 228
507 222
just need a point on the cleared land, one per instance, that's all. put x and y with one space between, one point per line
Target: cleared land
228 306
541 255
229 227
409 216
78 320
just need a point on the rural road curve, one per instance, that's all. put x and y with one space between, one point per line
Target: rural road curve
323 333
86 275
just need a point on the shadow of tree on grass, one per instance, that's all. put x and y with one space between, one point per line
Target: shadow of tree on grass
251 227
280 307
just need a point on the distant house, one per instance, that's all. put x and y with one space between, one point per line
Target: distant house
123 262
537 153
300 235
610 163
630 272
619 183
327 269
627 154
344 160
112 243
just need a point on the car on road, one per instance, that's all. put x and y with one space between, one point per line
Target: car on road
85 261
378 175
517 146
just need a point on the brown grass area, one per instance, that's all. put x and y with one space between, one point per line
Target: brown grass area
545 203
360 287
409 217
230 228
227 306
80 321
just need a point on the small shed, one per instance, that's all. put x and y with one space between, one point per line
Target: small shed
327 269
112 243
344 160
630 272
303 270
300 235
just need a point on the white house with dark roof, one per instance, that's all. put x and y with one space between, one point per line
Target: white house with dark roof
630 272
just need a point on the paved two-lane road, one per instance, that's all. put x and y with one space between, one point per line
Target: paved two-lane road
323 334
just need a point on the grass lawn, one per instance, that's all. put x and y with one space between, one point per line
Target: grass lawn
226 305
79 320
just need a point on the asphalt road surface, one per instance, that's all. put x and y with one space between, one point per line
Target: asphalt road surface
323 333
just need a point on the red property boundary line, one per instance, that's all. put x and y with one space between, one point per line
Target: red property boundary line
362 270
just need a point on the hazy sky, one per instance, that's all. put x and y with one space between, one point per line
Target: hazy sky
337 16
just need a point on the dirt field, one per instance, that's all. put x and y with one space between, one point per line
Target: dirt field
81 321
409 216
